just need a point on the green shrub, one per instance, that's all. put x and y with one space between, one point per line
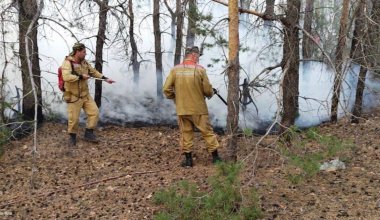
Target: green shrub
295 178
248 132
312 134
309 163
223 201
335 146
5 134
309 149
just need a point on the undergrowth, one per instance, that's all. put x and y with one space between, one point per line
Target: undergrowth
223 201
4 138
309 149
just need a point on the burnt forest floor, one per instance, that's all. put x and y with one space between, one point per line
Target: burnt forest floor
118 177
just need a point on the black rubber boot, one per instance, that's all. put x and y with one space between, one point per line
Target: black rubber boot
72 140
215 157
90 136
188 162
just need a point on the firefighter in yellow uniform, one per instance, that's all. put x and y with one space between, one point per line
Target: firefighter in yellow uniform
188 85
75 72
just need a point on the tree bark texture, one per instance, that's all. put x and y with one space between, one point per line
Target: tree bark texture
27 9
269 8
357 111
269 12
358 54
374 36
179 34
157 47
358 35
290 65
100 39
307 43
233 80
191 24
134 62
338 79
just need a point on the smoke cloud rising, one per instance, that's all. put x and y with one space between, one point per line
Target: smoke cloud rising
125 103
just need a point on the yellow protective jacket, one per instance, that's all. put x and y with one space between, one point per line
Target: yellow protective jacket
188 85
75 87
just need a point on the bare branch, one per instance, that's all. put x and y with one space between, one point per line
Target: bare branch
170 10
253 12
60 24
266 70
30 68
316 43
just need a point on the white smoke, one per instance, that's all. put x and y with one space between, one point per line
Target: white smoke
124 103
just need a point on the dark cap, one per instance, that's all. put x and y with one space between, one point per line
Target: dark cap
190 50
76 47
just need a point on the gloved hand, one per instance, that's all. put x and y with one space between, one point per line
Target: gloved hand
85 76
215 91
110 81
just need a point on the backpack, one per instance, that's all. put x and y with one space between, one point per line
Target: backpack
61 82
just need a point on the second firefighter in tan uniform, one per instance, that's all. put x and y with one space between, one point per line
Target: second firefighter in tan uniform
75 72
188 85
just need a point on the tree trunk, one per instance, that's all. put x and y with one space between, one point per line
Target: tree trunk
307 43
179 35
191 24
100 39
173 17
339 61
134 62
358 54
27 9
233 80
290 65
358 36
157 47
269 8
269 12
357 111
3 71
374 36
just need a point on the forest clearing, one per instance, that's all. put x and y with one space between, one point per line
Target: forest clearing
282 96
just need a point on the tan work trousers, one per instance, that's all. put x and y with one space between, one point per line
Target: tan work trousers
73 112
201 122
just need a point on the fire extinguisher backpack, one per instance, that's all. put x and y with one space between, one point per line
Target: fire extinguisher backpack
61 82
